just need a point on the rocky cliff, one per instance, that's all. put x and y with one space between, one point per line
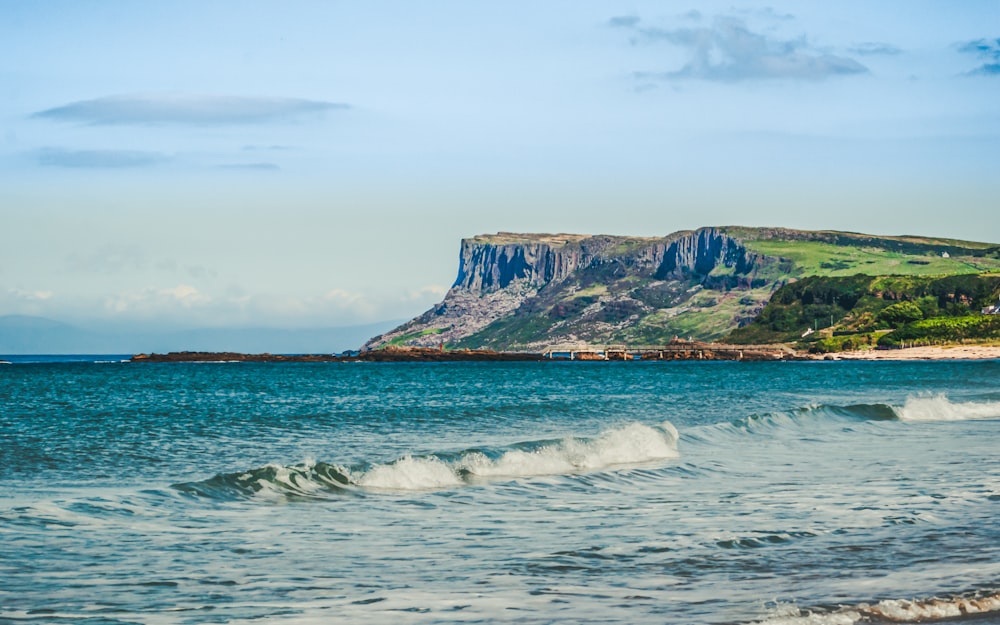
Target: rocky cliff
530 291
701 252
610 283
490 263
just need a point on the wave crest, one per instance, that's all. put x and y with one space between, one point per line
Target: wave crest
631 445
914 409
940 408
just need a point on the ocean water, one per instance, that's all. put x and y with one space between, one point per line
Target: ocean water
812 493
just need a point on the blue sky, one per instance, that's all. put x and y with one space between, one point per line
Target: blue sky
316 163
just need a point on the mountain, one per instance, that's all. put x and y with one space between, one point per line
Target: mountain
531 291
36 335
23 334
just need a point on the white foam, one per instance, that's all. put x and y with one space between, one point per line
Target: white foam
633 444
517 463
902 610
889 610
799 618
409 473
940 408
630 445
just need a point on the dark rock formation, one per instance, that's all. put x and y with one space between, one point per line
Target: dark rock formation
392 354
701 252
491 263
423 354
232 357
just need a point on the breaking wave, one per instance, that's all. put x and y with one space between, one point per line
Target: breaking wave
940 408
631 445
953 609
914 409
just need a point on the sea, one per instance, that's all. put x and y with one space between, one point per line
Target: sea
820 493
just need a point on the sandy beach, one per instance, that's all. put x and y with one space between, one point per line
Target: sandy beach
950 352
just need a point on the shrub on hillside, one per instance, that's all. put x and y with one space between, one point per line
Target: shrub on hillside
901 313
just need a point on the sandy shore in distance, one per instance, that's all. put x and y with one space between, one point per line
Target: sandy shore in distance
951 352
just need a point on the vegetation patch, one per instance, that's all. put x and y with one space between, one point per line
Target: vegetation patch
512 332
402 339
570 308
944 330
826 314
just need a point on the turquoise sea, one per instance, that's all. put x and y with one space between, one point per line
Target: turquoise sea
553 492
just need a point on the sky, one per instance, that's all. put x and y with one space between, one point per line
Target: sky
316 164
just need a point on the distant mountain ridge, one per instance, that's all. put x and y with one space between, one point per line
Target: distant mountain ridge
530 291
20 334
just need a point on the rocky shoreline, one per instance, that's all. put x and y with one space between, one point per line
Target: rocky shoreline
690 351
686 351
414 354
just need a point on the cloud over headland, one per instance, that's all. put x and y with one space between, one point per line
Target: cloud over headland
193 109
727 50
986 49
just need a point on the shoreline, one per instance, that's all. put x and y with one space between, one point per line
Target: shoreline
386 355
936 352
676 350
927 352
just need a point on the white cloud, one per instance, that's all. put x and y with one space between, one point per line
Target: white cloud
196 305
186 295
31 296
185 108
156 301
342 297
435 291
729 51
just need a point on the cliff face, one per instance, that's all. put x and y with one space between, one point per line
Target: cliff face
610 282
702 251
486 267
487 264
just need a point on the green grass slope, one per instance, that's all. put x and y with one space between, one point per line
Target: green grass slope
834 313
832 253
817 258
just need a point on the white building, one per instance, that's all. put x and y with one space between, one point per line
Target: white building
992 310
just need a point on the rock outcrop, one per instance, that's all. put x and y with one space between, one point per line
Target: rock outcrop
490 263
701 252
